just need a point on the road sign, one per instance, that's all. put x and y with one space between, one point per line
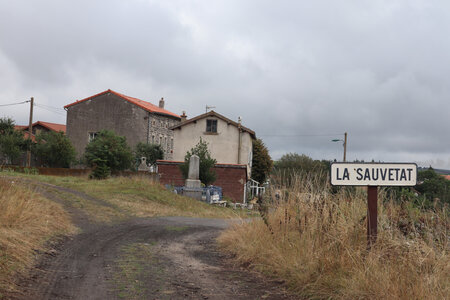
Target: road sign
374 174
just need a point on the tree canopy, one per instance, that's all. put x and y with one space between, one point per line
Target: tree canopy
262 162
151 152
12 142
433 186
108 152
54 149
207 176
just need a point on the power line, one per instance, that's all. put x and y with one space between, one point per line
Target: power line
14 103
299 135
51 107
50 110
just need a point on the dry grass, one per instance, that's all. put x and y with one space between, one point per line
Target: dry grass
27 221
316 241
133 196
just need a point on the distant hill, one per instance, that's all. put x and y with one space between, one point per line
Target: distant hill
439 171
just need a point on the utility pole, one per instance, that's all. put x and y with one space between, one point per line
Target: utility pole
345 146
30 132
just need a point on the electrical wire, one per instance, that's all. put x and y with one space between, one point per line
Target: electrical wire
14 103
299 135
53 111
51 107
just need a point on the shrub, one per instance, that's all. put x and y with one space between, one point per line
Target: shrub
207 176
262 162
54 149
108 152
12 143
151 152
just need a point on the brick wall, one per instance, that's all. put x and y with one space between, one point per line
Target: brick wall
231 178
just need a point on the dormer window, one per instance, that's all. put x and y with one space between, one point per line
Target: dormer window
211 126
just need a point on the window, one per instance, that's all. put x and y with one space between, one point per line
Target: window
153 139
160 140
92 136
211 125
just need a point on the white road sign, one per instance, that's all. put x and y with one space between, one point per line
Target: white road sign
374 174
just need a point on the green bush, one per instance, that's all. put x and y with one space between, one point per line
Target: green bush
12 143
207 176
108 152
262 162
54 149
151 152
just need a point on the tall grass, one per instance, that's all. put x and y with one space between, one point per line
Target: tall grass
26 222
316 241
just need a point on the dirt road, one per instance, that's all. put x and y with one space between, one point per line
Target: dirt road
141 258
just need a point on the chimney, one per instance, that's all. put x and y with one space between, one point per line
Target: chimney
183 116
161 103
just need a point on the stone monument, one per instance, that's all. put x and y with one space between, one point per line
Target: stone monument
193 186
143 165
194 172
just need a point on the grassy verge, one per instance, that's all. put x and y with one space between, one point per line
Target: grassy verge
316 242
135 196
27 221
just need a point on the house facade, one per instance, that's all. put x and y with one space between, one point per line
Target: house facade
229 142
135 119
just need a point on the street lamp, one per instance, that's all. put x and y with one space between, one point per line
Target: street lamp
344 143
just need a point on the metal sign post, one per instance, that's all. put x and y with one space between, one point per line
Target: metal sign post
373 175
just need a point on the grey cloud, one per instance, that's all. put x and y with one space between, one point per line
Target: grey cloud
378 70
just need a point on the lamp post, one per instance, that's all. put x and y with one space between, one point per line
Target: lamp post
344 143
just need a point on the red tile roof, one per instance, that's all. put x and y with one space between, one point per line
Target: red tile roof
141 103
446 177
20 127
50 126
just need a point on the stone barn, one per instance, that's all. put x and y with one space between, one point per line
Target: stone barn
137 120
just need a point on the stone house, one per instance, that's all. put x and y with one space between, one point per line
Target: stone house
229 142
137 120
40 126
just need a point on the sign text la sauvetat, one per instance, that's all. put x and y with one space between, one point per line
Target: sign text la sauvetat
374 174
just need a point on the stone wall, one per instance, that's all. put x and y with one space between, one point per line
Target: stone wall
159 133
231 178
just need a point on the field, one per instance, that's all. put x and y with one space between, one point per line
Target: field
315 240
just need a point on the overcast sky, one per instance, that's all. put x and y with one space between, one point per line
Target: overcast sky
299 73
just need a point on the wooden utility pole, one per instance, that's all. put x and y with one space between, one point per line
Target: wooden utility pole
372 215
345 146
30 132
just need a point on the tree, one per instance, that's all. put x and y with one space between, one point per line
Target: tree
294 161
151 152
290 165
108 152
12 143
433 186
207 176
262 162
54 149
